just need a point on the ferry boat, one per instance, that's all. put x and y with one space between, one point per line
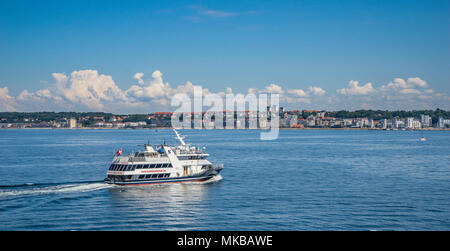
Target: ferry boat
423 137
162 164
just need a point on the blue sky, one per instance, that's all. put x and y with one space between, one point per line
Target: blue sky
235 44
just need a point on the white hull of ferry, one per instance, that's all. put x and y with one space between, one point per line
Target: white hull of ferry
162 181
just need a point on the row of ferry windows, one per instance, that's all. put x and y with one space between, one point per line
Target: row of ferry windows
143 176
191 157
152 176
118 167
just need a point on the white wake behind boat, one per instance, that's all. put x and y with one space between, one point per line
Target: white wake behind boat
163 164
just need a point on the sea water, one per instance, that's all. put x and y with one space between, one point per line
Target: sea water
304 180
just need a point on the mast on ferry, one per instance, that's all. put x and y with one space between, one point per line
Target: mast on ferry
179 137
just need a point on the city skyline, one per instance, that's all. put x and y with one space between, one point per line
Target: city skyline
132 57
248 119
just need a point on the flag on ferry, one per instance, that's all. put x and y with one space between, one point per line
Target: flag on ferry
119 152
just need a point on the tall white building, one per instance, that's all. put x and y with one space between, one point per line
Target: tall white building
409 122
384 123
426 121
412 123
394 123
443 122
417 124
73 123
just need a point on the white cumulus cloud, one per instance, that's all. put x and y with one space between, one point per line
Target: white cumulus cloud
298 92
315 90
273 88
155 88
7 103
355 89
418 82
88 90
138 76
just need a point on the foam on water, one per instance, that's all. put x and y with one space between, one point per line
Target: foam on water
216 178
67 188
73 188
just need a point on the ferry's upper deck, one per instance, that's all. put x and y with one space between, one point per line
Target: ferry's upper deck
150 154
156 156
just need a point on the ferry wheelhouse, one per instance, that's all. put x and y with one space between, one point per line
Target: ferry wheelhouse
162 164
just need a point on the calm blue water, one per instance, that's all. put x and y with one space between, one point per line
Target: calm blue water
305 180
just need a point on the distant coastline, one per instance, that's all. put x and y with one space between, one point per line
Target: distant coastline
281 128
295 119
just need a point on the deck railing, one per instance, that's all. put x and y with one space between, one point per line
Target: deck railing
136 159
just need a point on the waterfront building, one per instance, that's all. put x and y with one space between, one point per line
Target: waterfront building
442 123
311 122
401 123
417 124
364 122
412 123
348 122
72 123
409 122
118 124
395 123
426 121
384 123
291 120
